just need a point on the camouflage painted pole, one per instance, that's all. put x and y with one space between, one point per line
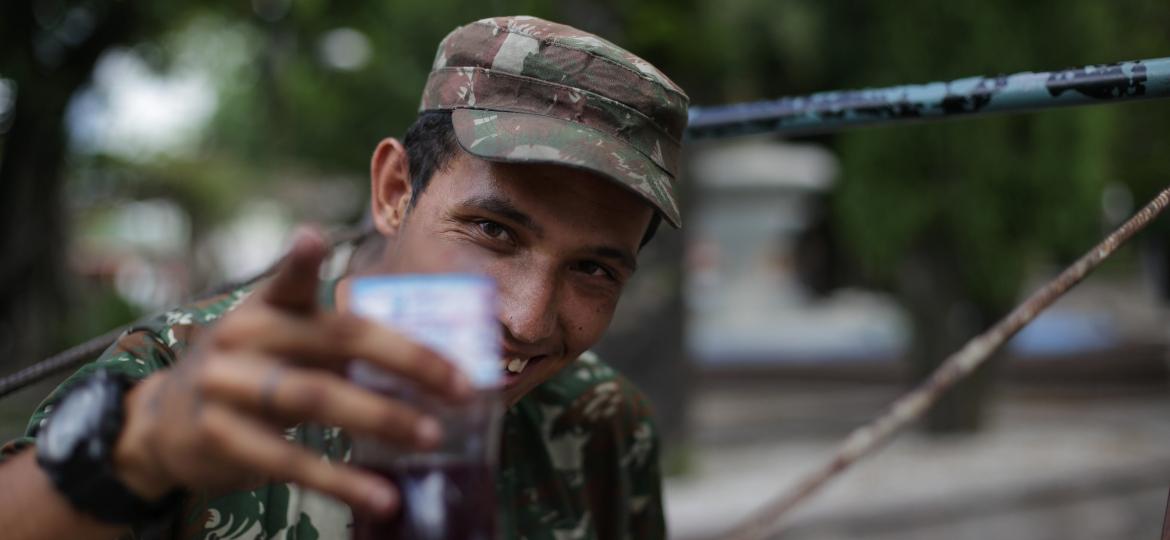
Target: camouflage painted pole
910 406
1028 91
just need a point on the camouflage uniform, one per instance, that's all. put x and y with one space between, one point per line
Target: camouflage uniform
579 454
579 457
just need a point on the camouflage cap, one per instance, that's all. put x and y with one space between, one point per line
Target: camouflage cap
528 90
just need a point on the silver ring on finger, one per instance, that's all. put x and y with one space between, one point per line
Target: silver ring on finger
268 390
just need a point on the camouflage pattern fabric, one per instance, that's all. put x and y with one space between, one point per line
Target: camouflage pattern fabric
579 456
529 90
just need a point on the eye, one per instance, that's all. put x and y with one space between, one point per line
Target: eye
593 269
492 229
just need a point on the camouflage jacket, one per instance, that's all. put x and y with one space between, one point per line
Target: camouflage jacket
578 460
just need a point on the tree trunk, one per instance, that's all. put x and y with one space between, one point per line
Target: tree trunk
46 72
31 235
943 319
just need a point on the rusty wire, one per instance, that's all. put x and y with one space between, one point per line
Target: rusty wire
908 408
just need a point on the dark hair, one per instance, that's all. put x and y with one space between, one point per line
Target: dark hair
431 145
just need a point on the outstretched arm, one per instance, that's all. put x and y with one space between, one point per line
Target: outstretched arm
213 422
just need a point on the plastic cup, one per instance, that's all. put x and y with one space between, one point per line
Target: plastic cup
447 493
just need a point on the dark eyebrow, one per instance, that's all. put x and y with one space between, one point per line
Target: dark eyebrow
504 207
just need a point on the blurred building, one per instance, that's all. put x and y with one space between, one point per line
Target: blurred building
747 302
1075 446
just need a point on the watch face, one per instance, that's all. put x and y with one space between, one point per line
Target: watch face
76 419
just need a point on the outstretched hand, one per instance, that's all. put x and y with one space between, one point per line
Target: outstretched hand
215 421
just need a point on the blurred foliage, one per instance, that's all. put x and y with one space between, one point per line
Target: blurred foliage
952 217
993 193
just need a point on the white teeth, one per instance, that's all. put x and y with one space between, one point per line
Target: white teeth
516 365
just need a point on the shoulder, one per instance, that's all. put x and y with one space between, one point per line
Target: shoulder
157 341
598 429
590 393
149 345
178 327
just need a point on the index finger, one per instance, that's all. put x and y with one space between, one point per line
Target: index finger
294 287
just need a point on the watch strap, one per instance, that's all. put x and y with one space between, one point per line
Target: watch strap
107 499
88 479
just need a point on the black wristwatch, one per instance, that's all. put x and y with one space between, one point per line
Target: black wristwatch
75 448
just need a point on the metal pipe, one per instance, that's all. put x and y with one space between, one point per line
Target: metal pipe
832 111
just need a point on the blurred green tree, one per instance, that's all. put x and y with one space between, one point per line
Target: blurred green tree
951 216
47 52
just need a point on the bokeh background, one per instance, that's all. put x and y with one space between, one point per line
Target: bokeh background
151 150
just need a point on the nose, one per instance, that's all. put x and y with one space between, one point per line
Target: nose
528 307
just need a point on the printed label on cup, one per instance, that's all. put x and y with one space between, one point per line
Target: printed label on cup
454 314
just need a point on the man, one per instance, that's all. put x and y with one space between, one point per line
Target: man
543 157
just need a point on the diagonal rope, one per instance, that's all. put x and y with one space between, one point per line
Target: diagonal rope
1166 521
81 353
910 406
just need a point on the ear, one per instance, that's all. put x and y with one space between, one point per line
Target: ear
390 190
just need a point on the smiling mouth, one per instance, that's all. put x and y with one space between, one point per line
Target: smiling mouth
516 365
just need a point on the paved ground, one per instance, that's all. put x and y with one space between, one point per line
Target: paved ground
1089 462
1060 463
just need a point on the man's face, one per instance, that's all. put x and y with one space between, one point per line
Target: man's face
561 243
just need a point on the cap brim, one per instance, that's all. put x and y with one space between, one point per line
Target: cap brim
530 138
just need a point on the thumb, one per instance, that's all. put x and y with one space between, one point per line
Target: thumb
294 286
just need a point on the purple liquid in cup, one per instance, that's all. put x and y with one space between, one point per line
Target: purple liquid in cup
446 493
440 501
